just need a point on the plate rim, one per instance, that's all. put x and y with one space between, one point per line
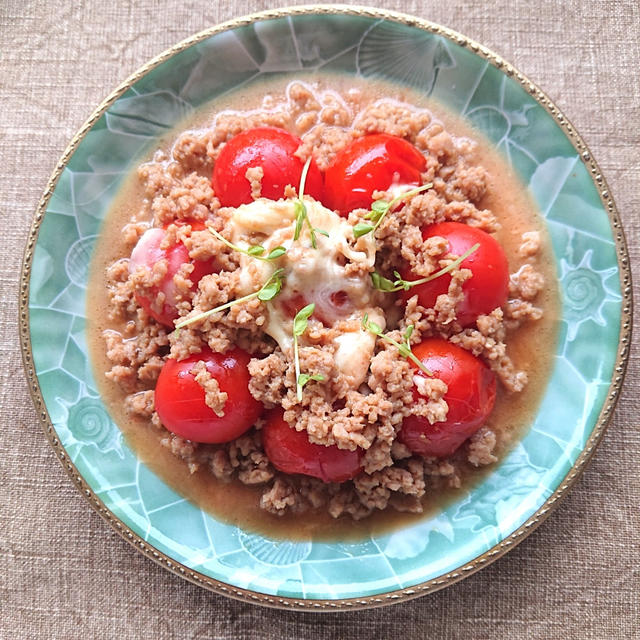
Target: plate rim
506 544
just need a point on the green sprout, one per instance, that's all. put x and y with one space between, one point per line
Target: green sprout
380 208
404 348
299 327
269 290
300 209
384 284
254 251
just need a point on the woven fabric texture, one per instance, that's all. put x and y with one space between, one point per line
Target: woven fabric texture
64 573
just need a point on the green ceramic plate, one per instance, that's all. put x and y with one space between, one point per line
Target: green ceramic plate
591 263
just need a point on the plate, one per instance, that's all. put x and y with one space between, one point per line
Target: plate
591 262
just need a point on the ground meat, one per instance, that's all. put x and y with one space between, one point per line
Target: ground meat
214 397
141 403
268 376
254 175
333 411
190 152
184 449
281 497
220 465
375 489
481 446
519 310
406 121
487 342
132 231
136 360
189 199
530 244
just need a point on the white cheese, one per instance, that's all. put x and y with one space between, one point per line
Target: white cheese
317 275
354 351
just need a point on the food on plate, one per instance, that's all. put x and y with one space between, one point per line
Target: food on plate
269 155
317 299
470 396
487 288
205 397
374 162
290 451
167 259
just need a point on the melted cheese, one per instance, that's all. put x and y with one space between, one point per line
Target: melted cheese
354 351
315 274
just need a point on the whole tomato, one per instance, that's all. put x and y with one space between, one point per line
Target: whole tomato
488 286
291 452
147 252
470 395
372 163
180 400
273 150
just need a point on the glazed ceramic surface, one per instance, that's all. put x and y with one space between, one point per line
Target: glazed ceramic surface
548 157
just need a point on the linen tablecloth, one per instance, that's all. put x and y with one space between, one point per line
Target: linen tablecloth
64 573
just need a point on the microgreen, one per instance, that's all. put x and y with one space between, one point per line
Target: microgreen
380 208
384 284
300 210
301 319
404 348
299 327
271 288
253 251
268 291
277 252
303 378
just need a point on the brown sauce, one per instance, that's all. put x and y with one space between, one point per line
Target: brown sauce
531 347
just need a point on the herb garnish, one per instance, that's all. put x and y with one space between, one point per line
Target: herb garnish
268 291
301 210
253 251
380 208
384 284
404 348
299 327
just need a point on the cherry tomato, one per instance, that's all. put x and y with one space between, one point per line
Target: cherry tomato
291 452
485 290
147 252
267 147
371 163
180 400
470 395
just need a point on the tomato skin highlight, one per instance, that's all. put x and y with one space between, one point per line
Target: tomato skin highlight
374 162
272 149
147 252
470 395
488 287
180 400
290 451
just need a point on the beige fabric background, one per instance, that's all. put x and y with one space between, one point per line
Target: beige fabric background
65 574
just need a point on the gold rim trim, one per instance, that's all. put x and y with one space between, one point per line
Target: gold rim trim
502 547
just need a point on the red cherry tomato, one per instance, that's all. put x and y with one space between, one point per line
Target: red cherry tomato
147 252
470 395
371 163
267 147
291 452
180 400
485 290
